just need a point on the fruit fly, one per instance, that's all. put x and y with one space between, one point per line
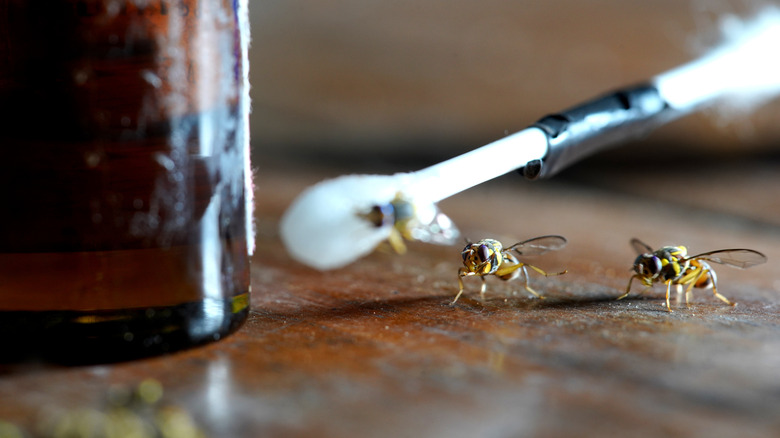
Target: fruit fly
410 221
488 257
672 265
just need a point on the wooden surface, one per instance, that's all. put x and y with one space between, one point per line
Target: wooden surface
374 349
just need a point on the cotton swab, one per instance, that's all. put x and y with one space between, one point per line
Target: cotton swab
326 227
742 69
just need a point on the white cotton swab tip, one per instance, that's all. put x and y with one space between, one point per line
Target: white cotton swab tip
323 227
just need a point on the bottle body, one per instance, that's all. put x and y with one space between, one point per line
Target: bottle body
125 177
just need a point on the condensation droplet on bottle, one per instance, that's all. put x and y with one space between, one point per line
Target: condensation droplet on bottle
164 161
80 77
92 159
152 78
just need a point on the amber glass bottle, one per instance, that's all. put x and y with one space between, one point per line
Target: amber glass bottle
123 179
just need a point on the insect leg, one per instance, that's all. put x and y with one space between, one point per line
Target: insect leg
679 294
628 288
525 279
483 288
691 282
461 273
396 241
714 279
545 273
668 290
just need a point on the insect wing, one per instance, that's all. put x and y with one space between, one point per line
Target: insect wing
640 247
738 258
539 245
439 230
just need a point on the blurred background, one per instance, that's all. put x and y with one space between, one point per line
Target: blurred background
406 83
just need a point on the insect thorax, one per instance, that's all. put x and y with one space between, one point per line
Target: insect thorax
673 263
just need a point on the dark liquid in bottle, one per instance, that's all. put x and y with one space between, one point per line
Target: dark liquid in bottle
123 181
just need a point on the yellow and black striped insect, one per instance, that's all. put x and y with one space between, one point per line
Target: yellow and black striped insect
489 257
672 265
408 221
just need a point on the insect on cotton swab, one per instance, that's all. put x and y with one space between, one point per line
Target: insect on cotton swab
337 221
325 226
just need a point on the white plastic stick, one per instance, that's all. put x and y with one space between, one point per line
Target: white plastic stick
457 174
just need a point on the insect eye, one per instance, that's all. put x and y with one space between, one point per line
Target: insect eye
380 215
656 266
483 253
649 264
